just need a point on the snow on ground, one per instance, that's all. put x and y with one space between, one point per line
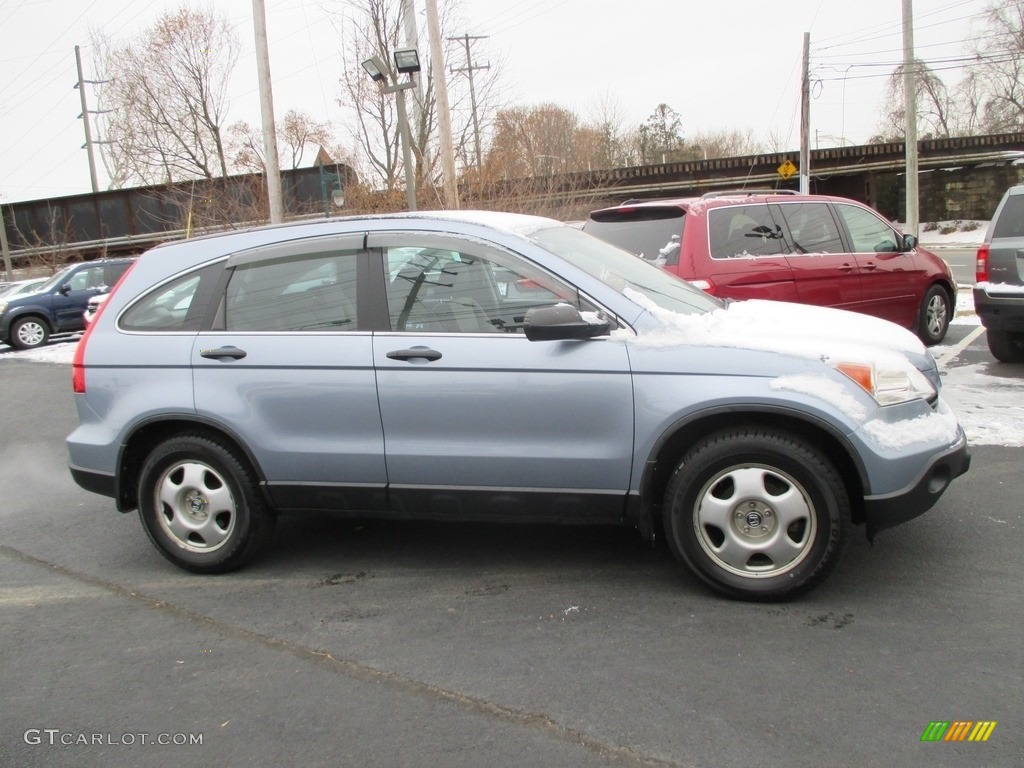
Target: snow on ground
990 407
936 238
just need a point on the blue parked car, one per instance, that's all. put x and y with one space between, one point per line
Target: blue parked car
486 366
58 304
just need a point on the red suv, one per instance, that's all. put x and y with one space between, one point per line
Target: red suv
809 249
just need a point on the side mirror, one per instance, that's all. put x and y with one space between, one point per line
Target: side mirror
909 242
561 322
65 289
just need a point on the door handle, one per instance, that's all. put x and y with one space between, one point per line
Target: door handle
423 353
221 353
846 268
870 267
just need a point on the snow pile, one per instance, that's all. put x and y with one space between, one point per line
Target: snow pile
938 426
817 333
824 389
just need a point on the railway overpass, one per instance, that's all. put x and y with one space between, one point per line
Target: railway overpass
959 178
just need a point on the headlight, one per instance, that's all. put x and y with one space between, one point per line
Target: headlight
889 386
3 307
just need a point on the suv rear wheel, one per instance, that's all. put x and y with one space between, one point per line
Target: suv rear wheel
201 506
29 333
1006 346
757 514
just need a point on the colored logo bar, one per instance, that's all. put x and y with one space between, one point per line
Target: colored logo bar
958 730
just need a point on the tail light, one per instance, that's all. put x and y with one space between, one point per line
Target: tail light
78 363
705 285
981 265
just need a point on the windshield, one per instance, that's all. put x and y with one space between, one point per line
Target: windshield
624 272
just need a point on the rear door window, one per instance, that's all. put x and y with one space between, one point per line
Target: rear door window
302 292
744 230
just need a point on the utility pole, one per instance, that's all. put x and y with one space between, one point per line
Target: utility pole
469 69
80 85
444 115
273 167
805 119
412 40
912 224
8 269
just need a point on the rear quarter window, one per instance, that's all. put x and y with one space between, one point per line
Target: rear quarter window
1010 222
744 230
178 305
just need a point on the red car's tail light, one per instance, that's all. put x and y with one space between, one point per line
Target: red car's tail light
981 265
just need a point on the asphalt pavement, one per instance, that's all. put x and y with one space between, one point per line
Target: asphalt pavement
408 644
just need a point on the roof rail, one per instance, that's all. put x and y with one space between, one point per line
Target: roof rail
747 193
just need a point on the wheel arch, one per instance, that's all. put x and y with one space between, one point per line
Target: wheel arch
34 313
148 434
669 450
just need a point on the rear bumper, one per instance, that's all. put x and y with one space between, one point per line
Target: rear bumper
1000 312
881 512
97 482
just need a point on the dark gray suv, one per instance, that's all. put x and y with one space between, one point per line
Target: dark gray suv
483 366
999 290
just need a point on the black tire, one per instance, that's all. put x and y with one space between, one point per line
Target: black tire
201 505
29 332
1006 346
934 315
758 514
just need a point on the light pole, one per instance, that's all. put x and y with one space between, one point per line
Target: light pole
407 61
332 190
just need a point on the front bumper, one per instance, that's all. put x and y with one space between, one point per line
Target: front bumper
886 511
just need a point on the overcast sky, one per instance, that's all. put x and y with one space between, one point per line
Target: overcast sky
720 65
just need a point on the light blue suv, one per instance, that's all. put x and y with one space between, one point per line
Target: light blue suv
486 366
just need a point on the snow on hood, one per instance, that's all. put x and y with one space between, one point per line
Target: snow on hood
818 333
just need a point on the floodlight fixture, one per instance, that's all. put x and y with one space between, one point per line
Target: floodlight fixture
407 60
376 69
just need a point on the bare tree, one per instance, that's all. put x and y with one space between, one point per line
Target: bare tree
936 108
297 134
616 146
998 74
660 138
376 28
708 145
167 93
540 141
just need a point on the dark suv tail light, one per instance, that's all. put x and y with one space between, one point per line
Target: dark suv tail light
981 265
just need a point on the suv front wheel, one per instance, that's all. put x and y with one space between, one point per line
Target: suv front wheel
201 506
935 313
29 333
758 514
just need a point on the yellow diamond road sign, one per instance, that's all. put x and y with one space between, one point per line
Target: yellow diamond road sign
787 169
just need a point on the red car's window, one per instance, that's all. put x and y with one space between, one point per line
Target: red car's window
744 230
